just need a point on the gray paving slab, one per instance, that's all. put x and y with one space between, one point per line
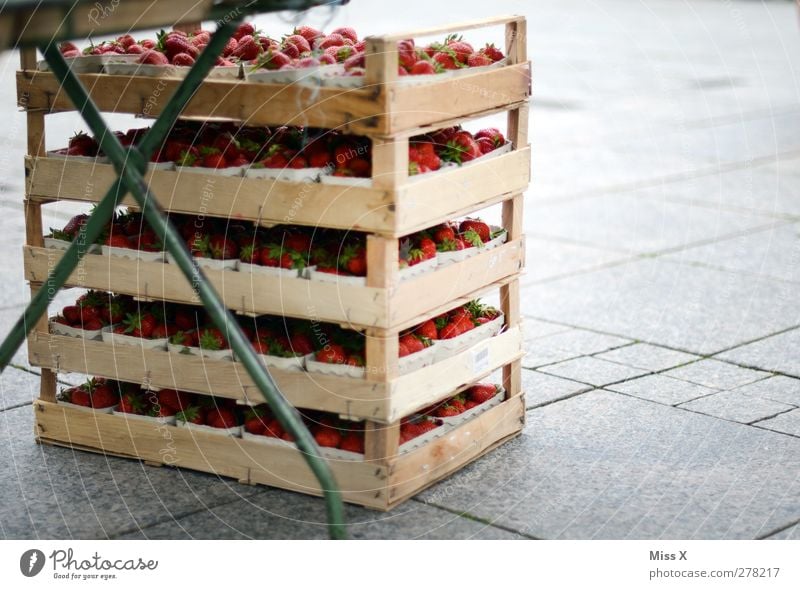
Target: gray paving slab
736 406
601 465
773 252
777 353
273 514
543 388
787 423
536 328
648 357
772 188
51 492
17 387
690 308
662 389
790 533
716 375
782 389
550 258
593 371
629 224
567 344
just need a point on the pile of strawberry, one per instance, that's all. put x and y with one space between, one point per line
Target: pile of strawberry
97 393
284 338
94 310
415 426
455 145
306 47
130 231
328 430
451 54
454 236
162 403
211 411
463 319
341 346
469 399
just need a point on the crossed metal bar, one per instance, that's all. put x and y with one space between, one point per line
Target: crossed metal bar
130 164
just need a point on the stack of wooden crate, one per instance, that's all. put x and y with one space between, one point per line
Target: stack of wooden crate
387 208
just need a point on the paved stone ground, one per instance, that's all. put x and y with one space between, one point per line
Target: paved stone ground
662 370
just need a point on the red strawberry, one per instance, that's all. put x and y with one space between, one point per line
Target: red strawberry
478 226
183 60
75 223
478 59
174 399
79 396
103 396
428 247
302 44
493 134
422 68
412 343
450 330
308 33
402 350
72 313
117 240
493 52
332 354
461 148
446 60
480 393
460 50
247 48
332 40
211 338
354 260
92 325
347 33
244 29
485 145
443 233
328 437
221 248
221 417
353 442
126 40
131 403
274 429
301 344
151 57
427 330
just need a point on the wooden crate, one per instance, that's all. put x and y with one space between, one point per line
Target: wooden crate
378 484
405 206
379 401
384 106
397 306
392 205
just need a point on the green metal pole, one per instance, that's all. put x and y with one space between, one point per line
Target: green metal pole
131 178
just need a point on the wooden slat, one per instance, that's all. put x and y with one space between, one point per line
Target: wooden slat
381 61
426 201
412 206
516 37
243 292
405 305
467 94
43 23
454 27
356 398
431 384
359 110
361 482
418 469
381 441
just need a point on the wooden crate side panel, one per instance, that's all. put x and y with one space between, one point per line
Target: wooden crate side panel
243 292
162 369
361 482
259 200
424 202
468 94
434 383
413 299
351 110
364 399
420 468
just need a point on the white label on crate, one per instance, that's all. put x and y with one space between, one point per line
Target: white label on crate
480 360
